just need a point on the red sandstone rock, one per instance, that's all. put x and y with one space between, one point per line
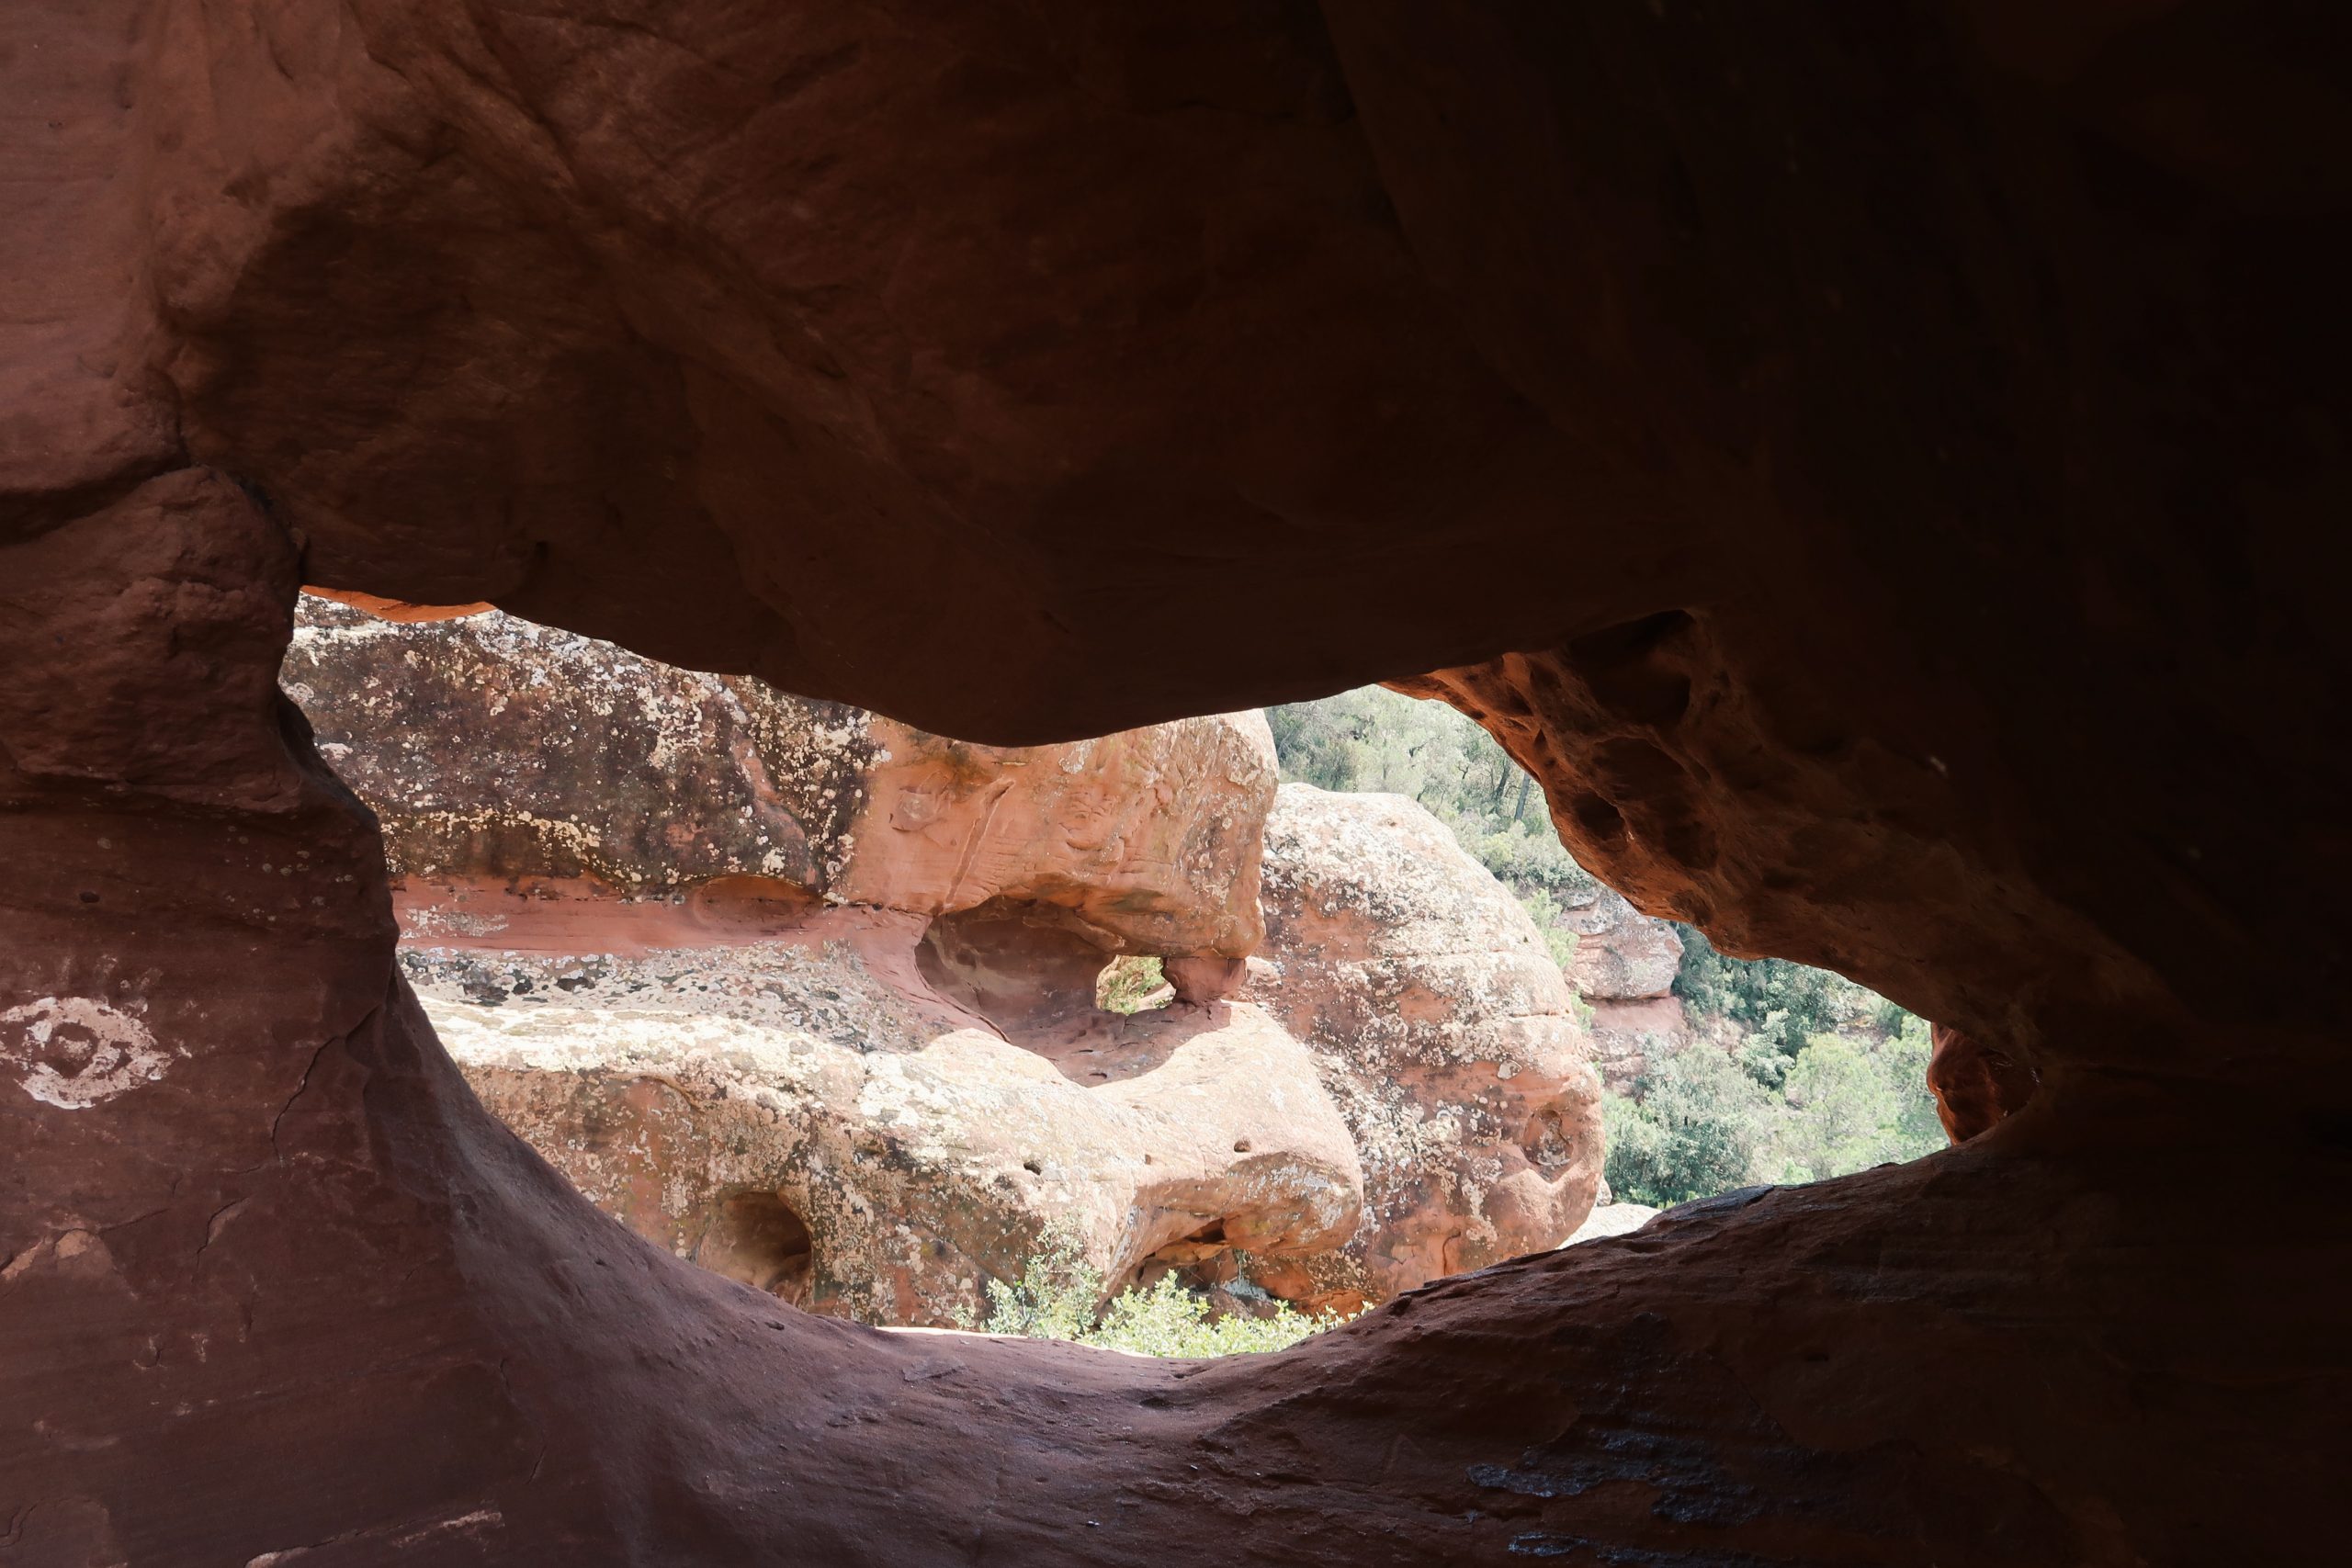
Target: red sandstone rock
1442 1029
1623 969
399 610
1908 445
822 1134
808 996
874 1091
1622 955
581 763
1976 1086
1626 1035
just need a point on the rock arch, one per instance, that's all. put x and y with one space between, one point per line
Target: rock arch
1880 474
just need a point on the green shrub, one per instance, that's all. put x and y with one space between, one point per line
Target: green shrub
1701 1121
1060 1296
1552 920
1844 1111
1902 1061
1132 984
1166 1319
1762 1059
1781 1001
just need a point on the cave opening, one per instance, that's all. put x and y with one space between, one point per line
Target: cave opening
1880 478
758 1239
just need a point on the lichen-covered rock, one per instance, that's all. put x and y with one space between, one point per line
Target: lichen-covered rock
1624 967
809 996
791 1114
1622 955
500 753
1442 1029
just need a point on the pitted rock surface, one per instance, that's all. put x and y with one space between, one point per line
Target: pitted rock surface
744 965
1883 467
785 1113
497 751
1444 1032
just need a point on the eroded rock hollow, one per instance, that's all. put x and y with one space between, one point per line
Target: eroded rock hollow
1882 470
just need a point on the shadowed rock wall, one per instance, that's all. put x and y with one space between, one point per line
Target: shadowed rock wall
1881 468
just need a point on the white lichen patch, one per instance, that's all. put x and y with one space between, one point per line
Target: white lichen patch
78 1052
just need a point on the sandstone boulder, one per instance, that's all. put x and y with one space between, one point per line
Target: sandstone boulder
1624 967
503 756
792 1114
1622 955
1444 1031
809 996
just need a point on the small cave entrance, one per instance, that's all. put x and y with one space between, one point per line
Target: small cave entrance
1046 987
756 1239
1017 964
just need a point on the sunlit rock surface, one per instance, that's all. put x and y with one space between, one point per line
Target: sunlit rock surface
784 1113
809 997
806 996
1623 968
525 760
1444 1032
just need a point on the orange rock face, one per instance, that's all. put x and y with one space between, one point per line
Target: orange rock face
759 973
808 996
586 769
1883 471
1976 1086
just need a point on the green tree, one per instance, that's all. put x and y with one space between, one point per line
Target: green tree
1851 1107
1843 1113
1902 1061
1694 1127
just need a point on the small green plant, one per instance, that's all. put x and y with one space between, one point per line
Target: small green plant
1552 920
1166 1319
1058 1294
1132 984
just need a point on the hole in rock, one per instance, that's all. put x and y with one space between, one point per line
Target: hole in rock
1133 983
756 1239
1017 964
1024 968
678 969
